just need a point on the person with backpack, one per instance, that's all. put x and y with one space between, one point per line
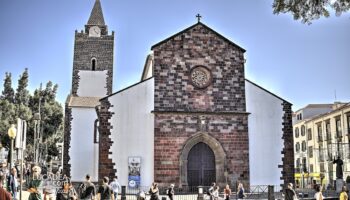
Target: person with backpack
87 189
115 187
104 191
171 192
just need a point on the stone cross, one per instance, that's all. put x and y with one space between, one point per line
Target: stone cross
198 17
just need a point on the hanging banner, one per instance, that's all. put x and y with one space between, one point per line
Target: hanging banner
134 166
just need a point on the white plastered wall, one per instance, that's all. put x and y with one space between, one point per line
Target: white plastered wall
92 83
83 151
133 130
265 136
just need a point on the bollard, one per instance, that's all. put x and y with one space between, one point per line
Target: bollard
200 193
123 196
271 194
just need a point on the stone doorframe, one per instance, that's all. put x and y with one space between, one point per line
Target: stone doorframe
220 157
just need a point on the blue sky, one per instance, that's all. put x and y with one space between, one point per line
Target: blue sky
301 63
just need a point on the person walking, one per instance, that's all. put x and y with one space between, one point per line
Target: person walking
115 187
344 195
154 192
171 192
34 184
240 191
290 193
227 192
87 189
211 190
4 195
318 194
67 192
12 183
216 193
104 191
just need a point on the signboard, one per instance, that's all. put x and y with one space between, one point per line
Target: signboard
134 175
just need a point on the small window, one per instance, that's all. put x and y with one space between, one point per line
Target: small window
303 146
296 132
93 64
311 168
309 134
297 147
302 130
311 152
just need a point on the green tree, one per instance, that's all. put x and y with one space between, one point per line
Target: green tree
308 11
8 93
22 93
23 105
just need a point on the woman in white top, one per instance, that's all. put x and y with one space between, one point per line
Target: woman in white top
216 193
318 194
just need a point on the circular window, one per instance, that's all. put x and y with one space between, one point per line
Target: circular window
201 77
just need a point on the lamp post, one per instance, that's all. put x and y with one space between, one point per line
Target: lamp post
36 119
12 134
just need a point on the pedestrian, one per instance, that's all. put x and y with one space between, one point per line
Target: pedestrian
171 192
211 190
290 193
115 187
240 191
227 192
344 194
154 192
12 183
4 195
34 183
67 192
87 189
104 191
48 188
216 193
318 194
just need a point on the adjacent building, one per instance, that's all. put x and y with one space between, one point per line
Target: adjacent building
321 134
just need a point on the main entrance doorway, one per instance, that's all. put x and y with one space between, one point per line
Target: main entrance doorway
201 165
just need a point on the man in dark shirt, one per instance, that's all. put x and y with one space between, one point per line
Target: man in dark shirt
4 195
104 191
88 190
290 193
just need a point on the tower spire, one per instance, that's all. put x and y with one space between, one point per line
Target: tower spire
96 16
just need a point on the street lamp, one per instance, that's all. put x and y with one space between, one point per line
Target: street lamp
36 119
12 134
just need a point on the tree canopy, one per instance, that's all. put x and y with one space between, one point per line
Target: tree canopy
21 104
309 10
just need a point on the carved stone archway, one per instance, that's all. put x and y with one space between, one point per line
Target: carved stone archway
220 156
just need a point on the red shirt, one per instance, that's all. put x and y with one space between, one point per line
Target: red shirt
4 195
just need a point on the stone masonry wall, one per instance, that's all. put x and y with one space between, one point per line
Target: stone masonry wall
288 150
178 102
85 48
173 61
173 130
67 137
105 164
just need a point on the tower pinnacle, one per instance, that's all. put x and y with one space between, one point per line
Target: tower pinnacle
96 16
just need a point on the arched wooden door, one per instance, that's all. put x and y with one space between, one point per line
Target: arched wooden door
201 165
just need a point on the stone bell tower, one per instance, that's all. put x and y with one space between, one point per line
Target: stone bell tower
91 80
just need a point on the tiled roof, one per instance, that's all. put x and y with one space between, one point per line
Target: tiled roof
96 16
86 102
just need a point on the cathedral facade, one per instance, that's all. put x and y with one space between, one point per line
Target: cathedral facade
192 119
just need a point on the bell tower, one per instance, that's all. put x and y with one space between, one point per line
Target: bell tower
93 57
91 80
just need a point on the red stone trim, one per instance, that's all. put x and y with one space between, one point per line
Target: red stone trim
288 150
106 167
66 140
